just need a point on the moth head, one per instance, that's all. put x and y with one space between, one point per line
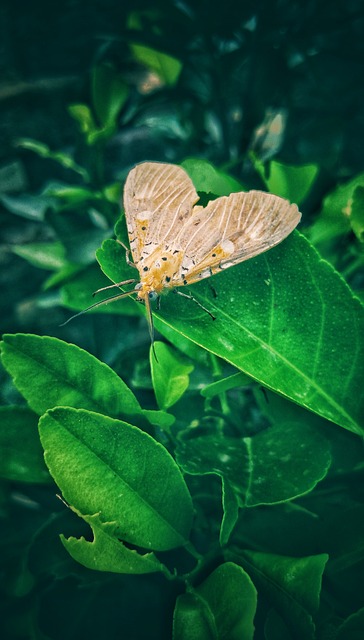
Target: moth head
144 290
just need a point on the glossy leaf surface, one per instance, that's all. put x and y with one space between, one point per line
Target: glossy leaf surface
50 372
263 308
107 553
276 465
170 374
293 585
110 468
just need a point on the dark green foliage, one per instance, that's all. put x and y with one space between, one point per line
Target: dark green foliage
212 486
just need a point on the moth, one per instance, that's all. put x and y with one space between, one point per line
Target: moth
175 242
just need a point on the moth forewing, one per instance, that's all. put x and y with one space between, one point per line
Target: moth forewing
158 198
232 229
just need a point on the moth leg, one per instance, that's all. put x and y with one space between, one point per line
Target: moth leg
112 286
189 297
127 255
213 290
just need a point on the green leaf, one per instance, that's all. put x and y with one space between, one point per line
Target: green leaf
165 66
230 505
286 318
286 461
49 372
83 116
225 384
289 321
109 93
21 457
44 255
112 260
333 220
170 374
232 599
276 465
185 346
110 468
112 192
291 585
72 195
160 419
208 179
290 182
221 608
88 127
64 159
107 553
192 619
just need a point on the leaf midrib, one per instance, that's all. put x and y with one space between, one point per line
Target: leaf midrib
132 490
57 378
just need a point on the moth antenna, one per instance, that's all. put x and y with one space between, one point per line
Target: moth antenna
150 323
99 304
112 286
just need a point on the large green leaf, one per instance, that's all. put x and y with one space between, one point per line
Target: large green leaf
286 318
49 372
110 468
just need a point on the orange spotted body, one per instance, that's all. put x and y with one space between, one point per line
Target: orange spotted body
157 272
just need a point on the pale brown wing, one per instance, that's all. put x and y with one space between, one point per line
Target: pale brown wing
232 229
158 199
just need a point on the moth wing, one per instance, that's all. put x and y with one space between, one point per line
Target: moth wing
158 199
232 229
